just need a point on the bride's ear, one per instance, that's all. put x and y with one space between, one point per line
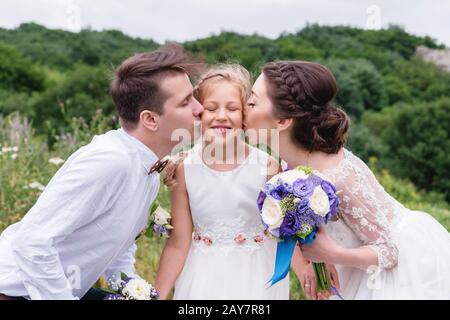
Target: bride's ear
150 120
284 124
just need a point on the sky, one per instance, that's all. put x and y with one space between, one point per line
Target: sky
170 20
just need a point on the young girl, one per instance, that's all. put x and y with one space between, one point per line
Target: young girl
218 248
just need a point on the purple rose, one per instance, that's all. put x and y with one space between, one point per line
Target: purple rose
303 188
302 206
315 180
334 203
261 197
330 190
279 192
291 224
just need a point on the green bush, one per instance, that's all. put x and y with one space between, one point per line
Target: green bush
17 73
417 137
360 85
81 93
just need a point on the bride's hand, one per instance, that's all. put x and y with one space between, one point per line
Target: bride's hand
309 282
322 249
333 276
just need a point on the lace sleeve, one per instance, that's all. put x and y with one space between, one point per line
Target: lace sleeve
367 209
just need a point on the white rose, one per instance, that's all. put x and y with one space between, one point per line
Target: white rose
293 175
319 202
162 217
271 213
137 289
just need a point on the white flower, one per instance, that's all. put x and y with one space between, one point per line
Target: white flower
271 213
10 149
291 176
14 156
319 202
162 217
56 161
35 185
137 289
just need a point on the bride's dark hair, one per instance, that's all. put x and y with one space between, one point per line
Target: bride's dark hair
305 92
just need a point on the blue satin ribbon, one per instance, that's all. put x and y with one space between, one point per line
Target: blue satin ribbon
285 250
337 293
309 239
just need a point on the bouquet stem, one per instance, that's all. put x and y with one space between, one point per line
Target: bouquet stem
323 279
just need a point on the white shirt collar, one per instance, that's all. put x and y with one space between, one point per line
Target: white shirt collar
148 157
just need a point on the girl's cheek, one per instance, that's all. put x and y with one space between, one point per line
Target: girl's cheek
239 120
206 118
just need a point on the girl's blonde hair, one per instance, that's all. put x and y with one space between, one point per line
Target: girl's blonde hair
233 73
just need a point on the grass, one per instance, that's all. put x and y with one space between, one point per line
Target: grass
25 159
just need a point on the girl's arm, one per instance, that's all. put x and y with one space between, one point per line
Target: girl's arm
177 245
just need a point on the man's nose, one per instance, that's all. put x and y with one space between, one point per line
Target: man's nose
197 108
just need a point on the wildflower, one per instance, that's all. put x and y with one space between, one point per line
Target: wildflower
56 161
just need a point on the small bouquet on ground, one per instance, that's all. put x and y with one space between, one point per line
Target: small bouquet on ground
131 289
159 222
293 205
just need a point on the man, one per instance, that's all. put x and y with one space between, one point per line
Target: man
85 222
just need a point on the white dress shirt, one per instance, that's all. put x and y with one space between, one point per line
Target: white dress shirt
85 222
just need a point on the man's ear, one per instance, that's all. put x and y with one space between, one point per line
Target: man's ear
284 124
150 120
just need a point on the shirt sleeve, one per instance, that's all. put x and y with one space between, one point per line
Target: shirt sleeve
84 189
125 263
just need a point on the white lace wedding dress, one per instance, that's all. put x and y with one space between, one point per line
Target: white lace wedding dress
413 248
230 256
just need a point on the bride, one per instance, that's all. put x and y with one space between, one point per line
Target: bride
381 249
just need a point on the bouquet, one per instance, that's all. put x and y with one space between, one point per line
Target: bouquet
159 222
293 205
131 289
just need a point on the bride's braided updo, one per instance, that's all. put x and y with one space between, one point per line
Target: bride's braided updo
305 91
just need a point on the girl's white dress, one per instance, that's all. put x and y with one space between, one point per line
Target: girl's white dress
413 248
230 256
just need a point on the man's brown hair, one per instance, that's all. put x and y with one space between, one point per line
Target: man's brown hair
135 86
